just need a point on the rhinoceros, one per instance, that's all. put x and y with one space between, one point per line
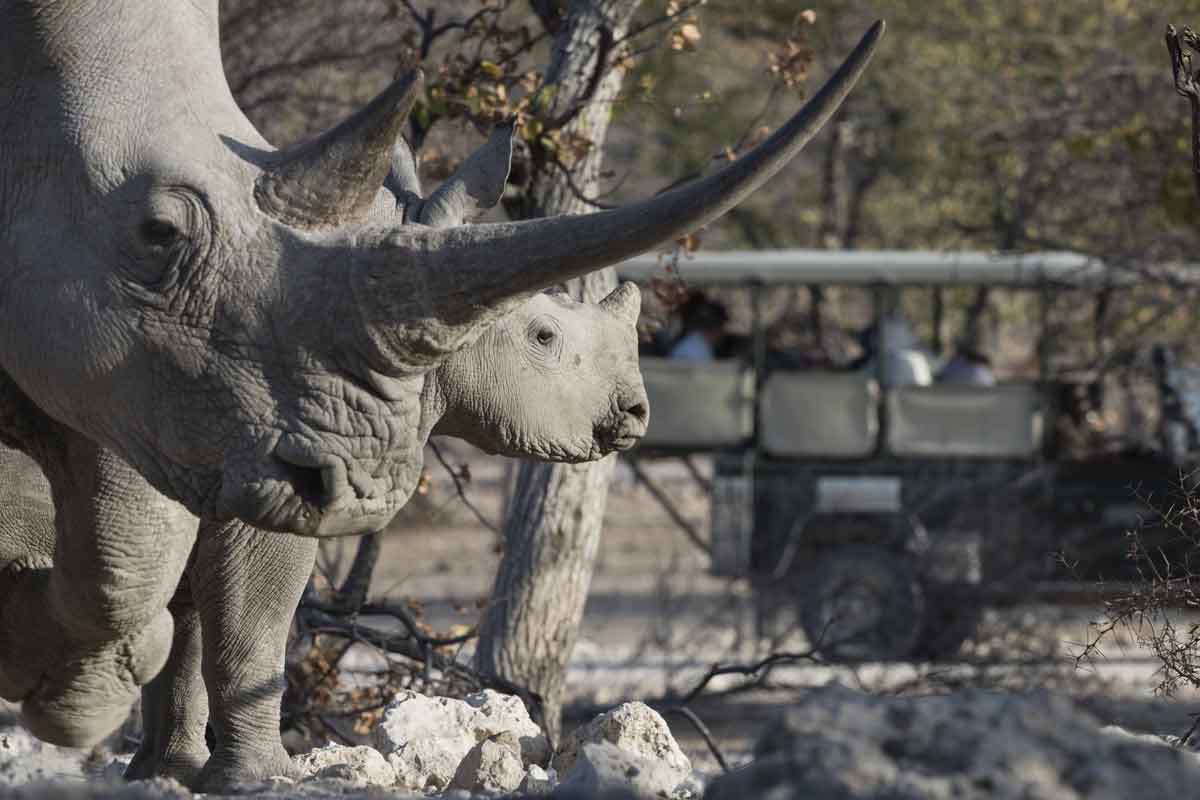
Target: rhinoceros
241 585
197 325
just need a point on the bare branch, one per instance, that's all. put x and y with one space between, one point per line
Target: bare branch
662 20
1187 84
462 492
757 671
353 593
704 732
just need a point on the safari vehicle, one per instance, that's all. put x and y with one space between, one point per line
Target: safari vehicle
884 513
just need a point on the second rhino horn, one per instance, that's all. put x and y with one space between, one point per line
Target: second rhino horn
334 178
475 187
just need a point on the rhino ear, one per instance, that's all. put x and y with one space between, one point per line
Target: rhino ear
624 302
475 187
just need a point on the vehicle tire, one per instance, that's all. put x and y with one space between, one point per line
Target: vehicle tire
862 603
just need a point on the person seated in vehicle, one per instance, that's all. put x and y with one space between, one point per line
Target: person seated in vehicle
892 354
704 323
967 367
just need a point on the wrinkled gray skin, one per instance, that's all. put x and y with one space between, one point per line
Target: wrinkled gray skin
195 325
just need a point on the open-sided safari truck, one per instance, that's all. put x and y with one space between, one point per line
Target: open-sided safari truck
882 509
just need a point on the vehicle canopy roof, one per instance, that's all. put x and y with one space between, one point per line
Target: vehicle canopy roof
882 268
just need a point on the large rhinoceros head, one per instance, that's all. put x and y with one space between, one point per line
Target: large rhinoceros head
258 331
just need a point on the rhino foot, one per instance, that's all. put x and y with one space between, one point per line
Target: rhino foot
183 763
87 693
229 767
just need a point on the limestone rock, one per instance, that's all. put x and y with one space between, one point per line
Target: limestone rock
603 767
363 766
538 781
633 727
841 744
426 738
496 713
25 759
493 765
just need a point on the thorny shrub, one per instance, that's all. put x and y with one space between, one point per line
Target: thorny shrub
1165 553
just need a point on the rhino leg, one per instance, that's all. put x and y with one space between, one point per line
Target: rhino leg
246 584
79 638
26 541
175 705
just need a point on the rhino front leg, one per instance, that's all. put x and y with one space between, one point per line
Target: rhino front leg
246 584
78 639
175 705
26 543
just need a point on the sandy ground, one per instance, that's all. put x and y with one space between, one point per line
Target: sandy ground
656 620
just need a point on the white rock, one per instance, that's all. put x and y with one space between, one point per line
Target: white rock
971 744
426 738
363 766
25 759
497 713
539 781
633 727
493 765
690 787
603 768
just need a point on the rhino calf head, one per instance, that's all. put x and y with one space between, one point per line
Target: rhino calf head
272 335
556 380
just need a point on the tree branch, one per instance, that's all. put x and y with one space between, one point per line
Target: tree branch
604 48
462 493
1187 84
664 19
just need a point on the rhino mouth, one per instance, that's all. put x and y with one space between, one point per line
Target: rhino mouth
625 441
306 492
623 436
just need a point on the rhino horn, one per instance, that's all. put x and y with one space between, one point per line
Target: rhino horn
482 269
624 302
475 186
402 179
335 177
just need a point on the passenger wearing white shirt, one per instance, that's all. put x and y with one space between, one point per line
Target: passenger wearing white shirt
704 325
694 346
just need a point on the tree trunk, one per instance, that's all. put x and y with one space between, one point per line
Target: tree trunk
552 530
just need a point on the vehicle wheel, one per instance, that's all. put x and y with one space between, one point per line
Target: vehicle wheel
862 603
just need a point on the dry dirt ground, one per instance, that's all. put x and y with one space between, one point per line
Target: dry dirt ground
656 620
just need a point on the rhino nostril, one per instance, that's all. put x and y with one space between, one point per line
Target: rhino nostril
638 411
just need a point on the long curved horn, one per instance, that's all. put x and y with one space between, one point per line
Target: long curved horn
471 268
335 177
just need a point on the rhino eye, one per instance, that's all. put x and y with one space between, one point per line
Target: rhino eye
159 233
544 336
